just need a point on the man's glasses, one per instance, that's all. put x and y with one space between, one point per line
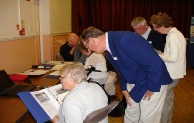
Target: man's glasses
86 45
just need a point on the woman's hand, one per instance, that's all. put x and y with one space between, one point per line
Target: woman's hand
55 119
159 52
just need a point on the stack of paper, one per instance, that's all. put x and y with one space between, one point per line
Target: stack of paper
34 72
53 62
58 67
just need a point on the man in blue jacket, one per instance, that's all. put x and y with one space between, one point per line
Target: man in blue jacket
143 75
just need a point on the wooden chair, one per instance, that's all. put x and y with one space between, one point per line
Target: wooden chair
59 57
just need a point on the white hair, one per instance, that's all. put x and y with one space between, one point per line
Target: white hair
75 71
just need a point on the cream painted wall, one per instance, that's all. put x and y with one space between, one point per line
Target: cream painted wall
12 12
60 16
18 53
55 19
47 47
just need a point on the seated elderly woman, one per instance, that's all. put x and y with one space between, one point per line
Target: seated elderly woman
96 63
83 97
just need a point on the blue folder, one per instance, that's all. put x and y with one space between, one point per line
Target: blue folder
35 109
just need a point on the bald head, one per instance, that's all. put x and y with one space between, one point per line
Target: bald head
72 39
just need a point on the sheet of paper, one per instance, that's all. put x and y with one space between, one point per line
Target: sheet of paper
50 98
47 102
34 72
70 62
58 92
58 67
53 62
55 73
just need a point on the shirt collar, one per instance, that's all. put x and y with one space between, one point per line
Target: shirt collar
145 35
107 45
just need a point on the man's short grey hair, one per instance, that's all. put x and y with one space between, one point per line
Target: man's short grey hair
91 32
75 71
138 21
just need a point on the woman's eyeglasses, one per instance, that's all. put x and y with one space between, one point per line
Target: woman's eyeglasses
61 78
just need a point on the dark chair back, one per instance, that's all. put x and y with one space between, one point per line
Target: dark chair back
100 114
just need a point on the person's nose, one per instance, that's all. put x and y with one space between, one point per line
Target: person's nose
137 31
89 50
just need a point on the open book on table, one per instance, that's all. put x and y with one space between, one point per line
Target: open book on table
44 104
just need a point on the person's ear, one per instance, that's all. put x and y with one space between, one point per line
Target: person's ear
93 41
146 26
163 27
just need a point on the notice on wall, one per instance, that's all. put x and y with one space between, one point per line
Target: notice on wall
192 20
192 29
192 38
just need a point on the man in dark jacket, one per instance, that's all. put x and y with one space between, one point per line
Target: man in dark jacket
69 50
141 27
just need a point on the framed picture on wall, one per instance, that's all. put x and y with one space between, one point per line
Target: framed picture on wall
192 29
191 38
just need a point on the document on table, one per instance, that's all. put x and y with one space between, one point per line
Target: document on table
53 62
34 72
50 99
60 66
